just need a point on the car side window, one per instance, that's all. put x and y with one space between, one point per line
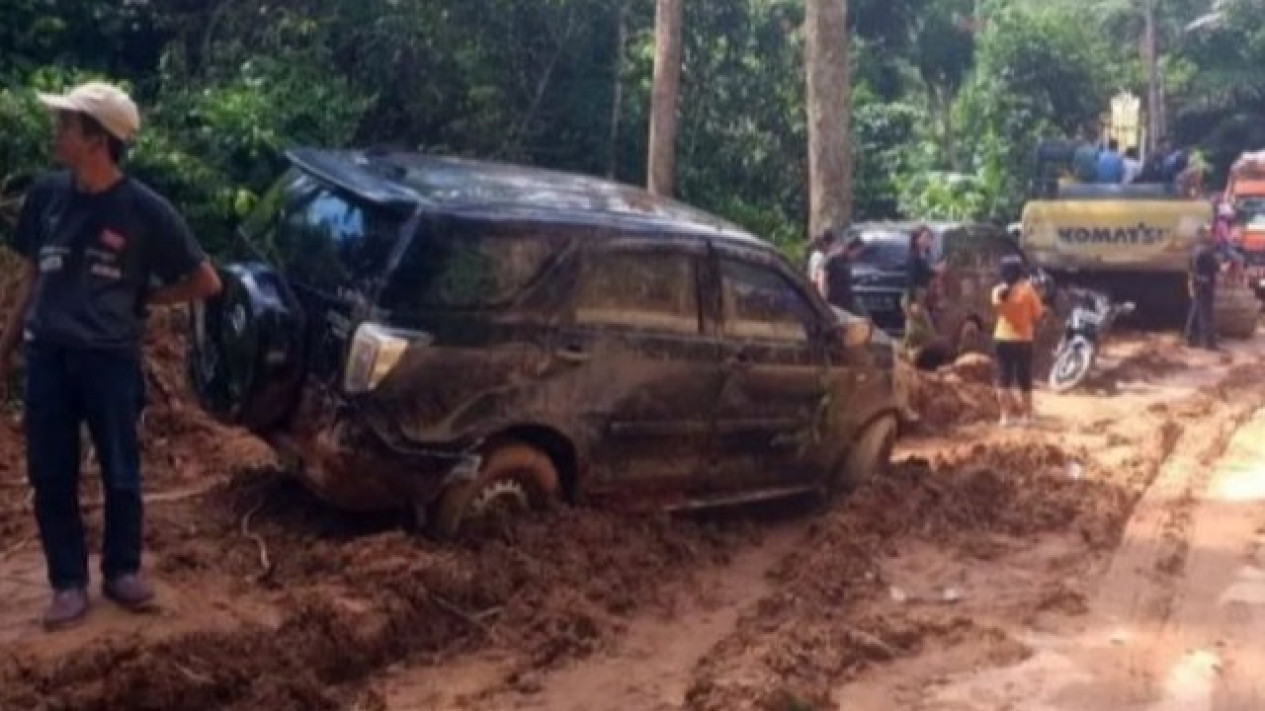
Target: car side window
656 291
464 269
761 303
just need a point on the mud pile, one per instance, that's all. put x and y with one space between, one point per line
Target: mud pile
973 368
823 625
349 602
951 396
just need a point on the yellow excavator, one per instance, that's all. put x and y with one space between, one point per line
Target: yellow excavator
1132 242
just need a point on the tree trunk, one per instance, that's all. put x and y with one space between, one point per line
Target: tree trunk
661 171
942 104
1154 98
617 90
829 147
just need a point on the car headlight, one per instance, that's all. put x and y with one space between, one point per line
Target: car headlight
857 333
375 351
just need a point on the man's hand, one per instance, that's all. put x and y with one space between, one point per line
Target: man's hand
12 334
202 284
6 372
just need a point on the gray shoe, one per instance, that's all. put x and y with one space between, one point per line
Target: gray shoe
129 591
66 609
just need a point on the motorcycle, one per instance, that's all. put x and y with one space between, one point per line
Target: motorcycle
1092 315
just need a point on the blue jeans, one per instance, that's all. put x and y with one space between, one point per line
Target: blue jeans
1201 327
66 387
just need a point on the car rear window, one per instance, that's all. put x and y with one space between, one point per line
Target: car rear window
457 269
886 250
320 236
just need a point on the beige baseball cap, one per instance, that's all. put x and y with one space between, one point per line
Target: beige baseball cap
108 104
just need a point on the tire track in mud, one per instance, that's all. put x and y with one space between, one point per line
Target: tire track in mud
647 668
1157 623
836 633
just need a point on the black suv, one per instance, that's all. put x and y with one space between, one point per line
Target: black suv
451 335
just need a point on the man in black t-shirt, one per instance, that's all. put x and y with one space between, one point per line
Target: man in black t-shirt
92 240
838 276
1205 264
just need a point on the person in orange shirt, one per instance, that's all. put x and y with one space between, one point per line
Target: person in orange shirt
1018 308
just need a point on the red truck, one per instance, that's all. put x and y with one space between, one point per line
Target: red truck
1245 192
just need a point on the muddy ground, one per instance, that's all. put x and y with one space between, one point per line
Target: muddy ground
979 540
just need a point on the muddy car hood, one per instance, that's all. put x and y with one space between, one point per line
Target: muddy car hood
878 338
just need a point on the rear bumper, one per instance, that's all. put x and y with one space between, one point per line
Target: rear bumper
348 463
882 306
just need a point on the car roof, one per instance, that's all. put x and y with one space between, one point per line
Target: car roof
504 192
907 226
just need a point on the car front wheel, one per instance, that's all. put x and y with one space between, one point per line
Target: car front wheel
868 459
514 478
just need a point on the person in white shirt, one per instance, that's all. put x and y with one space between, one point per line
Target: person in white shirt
1132 166
817 260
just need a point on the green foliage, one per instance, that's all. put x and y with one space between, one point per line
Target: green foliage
884 144
945 114
1039 75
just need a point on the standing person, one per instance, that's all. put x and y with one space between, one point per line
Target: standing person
1132 166
918 299
1085 158
1017 306
821 246
1176 160
1110 165
838 276
92 238
1204 266
1153 166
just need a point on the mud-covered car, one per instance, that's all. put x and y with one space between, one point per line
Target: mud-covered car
450 336
961 308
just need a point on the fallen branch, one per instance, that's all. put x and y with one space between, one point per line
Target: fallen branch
474 620
264 561
22 581
161 497
195 677
14 548
872 643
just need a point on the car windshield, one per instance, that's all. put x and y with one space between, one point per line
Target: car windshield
885 250
1250 212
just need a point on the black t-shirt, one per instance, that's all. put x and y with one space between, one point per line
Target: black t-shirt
839 281
920 272
97 254
1204 266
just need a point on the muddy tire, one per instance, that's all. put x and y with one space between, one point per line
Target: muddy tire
515 478
1072 365
868 459
1236 310
971 339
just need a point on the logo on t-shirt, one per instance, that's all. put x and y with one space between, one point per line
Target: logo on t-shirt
112 239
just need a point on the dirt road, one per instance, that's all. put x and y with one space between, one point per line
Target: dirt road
1104 560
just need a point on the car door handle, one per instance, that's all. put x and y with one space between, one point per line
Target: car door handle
572 354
